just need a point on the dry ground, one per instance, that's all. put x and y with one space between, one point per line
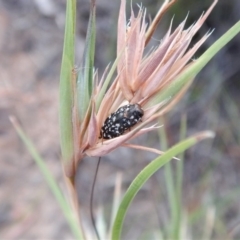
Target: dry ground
31 36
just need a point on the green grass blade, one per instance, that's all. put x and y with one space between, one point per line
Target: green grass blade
169 181
146 173
183 132
179 179
67 211
197 66
85 75
66 81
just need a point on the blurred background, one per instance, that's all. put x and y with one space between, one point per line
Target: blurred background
31 38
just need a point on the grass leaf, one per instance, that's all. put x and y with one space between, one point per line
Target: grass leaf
67 210
197 65
146 173
66 84
85 75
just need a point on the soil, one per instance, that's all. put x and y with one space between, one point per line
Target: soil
31 39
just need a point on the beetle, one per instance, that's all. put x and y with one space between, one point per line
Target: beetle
123 119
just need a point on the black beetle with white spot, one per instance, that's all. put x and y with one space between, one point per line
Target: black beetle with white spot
123 119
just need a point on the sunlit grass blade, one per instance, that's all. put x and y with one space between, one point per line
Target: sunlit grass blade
209 222
64 205
116 200
197 65
146 173
101 223
66 84
85 75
